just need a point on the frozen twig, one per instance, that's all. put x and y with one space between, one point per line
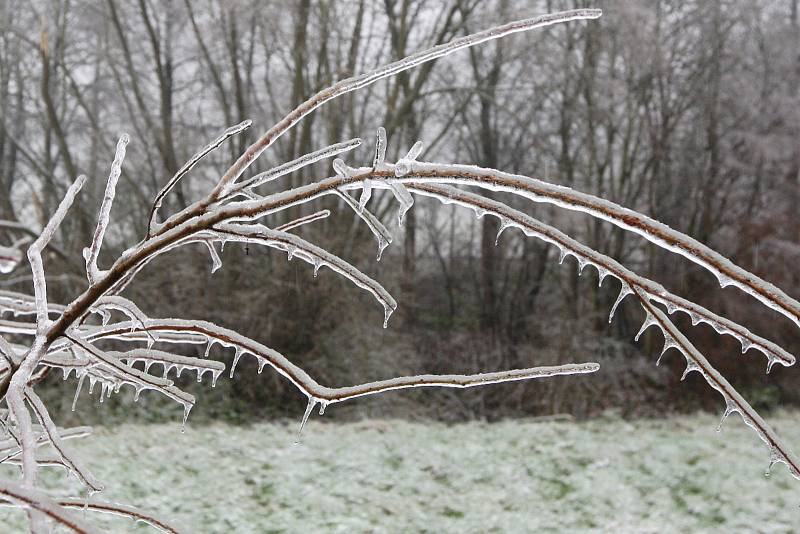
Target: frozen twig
159 199
40 502
91 253
363 80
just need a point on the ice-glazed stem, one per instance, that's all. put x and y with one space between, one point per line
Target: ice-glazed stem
93 251
363 80
159 199
294 165
50 429
36 248
43 504
734 402
121 510
310 387
510 217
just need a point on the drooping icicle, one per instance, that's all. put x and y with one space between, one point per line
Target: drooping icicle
216 261
208 348
382 244
387 312
405 199
669 343
648 322
770 362
690 366
624 291
309 407
500 231
236 356
78 391
187 407
366 194
729 409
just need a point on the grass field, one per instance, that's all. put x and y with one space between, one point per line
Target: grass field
604 475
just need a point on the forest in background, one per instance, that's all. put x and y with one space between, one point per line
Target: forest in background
688 111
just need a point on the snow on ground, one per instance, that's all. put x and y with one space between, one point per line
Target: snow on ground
604 475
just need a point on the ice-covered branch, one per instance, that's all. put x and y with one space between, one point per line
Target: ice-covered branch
36 248
300 221
363 80
91 253
734 402
22 304
159 199
567 246
40 502
54 437
292 166
121 510
318 257
122 373
302 380
657 233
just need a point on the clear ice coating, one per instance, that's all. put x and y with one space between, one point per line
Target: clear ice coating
309 407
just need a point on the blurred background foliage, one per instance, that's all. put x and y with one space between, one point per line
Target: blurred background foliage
688 111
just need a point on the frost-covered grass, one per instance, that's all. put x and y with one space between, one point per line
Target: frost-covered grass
671 475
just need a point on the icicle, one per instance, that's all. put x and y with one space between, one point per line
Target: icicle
503 226
601 275
723 280
649 321
366 194
382 244
624 291
311 403
387 312
216 261
729 409
669 343
770 362
581 264
187 407
208 348
562 255
78 391
690 366
214 376
404 198
317 265
261 363
774 458
236 357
